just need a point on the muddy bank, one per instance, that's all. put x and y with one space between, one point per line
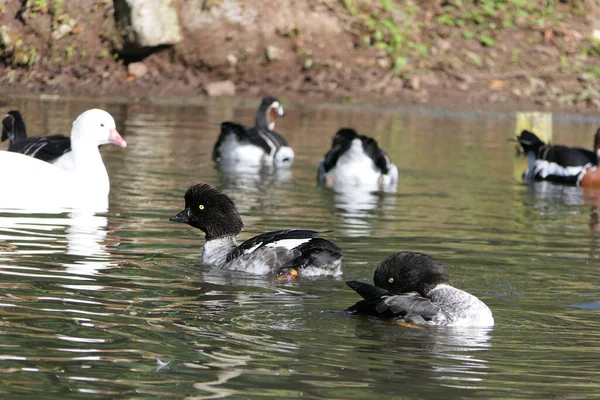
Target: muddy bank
542 55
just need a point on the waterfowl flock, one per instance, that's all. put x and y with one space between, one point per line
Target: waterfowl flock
407 287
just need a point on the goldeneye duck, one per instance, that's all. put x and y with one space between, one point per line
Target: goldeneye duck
46 148
257 145
356 160
285 253
560 164
413 287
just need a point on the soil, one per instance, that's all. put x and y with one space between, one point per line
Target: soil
299 50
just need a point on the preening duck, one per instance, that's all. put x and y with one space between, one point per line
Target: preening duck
257 145
413 287
356 160
46 148
560 164
33 183
285 253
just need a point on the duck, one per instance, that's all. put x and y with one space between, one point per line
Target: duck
259 145
557 154
285 254
356 160
412 287
46 148
34 183
560 164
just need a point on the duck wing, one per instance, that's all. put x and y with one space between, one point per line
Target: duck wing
379 157
46 148
332 156
287 239
381 303
269 141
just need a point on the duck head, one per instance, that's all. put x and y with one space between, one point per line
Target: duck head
211 211
95 127
344 135
529 141
13 126
267 113
410 272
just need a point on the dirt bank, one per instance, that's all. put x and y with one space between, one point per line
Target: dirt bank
489 54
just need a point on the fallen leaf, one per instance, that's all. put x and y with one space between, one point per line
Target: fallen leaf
77 29
496 84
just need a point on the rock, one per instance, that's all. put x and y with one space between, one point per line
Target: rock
145 24
232 60
429 79
222 88
414 82
63 30
137 69
444 45
272 53
383 61
463 86
5 40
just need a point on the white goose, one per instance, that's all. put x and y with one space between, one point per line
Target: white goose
35 185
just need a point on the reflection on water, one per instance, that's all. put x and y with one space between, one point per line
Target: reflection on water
115 303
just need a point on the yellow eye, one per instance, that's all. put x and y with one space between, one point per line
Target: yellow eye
201 206
391 280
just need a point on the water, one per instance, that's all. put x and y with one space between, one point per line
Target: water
119 305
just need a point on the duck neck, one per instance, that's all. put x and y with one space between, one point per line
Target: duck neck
262 119
89 168
215 251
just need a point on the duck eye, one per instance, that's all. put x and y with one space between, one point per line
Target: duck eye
391 280
201 206
102 125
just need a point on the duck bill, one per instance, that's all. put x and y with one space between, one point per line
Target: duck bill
182 216
116 139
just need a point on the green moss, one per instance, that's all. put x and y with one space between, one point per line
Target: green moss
69 53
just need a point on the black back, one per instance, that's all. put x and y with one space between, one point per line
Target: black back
561 155
342 141
46 148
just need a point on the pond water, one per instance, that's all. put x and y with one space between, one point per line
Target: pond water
119 305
